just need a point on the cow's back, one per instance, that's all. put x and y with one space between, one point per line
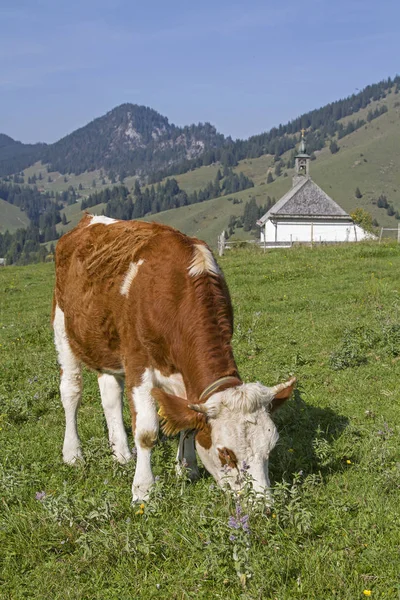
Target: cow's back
121 282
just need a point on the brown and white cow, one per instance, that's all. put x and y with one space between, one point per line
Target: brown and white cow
145 305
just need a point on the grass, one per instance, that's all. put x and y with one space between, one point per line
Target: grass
331 316
12 218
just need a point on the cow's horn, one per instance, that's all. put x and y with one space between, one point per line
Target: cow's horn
281 387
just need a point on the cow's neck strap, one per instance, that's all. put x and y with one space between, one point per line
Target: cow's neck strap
211 389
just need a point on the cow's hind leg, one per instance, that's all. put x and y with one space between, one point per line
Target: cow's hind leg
70 388
111 390
145 426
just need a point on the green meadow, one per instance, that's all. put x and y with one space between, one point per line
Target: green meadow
329 315
12 218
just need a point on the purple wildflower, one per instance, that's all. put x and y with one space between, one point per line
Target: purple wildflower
232 538
233 523
245 467
245 523
239 521
40 496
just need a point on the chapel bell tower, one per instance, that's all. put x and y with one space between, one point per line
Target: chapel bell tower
302 161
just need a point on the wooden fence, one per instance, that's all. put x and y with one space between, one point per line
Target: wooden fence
390 229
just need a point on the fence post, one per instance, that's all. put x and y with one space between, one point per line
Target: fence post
312 233
398 233
380 237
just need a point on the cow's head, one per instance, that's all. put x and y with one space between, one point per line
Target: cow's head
235 429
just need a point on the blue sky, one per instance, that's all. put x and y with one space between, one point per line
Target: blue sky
244 66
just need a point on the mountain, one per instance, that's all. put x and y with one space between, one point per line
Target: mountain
130 139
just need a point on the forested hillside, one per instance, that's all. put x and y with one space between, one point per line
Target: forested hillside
15 156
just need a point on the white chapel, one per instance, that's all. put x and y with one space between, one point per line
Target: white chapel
307 214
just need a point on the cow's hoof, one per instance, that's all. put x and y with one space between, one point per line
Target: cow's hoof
72 457
123 456
140 493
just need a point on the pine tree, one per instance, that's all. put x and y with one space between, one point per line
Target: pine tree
270 179
250 214
136 190
334 147
358 193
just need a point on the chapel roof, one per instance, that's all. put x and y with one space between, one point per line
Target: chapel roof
305 199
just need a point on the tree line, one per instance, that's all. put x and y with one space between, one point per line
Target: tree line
43 210
123 204
23 247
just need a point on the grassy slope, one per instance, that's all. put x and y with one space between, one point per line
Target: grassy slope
74 215
335 535
11 217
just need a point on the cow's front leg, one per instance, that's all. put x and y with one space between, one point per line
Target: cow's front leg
186 457
145 427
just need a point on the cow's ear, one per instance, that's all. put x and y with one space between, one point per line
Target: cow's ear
175 413
282 392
